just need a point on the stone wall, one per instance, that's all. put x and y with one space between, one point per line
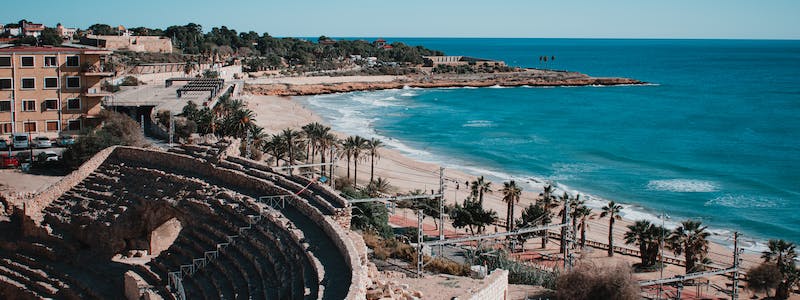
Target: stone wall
131 43
495 287
33 206
163 236
339 236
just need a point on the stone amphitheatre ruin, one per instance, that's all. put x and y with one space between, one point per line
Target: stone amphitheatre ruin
133 222
189 223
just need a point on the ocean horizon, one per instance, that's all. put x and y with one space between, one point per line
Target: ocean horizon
714 137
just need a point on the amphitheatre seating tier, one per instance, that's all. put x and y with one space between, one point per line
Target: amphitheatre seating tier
263 253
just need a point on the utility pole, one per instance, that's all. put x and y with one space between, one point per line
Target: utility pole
333 171
663 217
420 256
171 128
334 159
441 208
736 261
441 203
568 237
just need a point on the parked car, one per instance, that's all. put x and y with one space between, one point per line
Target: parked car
65 140
20 140
23 157
42 142
46 156
3 144
8 161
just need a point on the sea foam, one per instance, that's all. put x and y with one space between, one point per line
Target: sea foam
746 201
478 123
683 186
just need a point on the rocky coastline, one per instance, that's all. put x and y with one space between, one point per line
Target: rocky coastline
530 77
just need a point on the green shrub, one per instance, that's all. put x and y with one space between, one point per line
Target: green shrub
588 281
130 81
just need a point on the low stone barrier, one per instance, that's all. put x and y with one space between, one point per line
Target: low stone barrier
495 287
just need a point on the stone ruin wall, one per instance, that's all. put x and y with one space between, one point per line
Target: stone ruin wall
33 206
354 258
337 234
232 153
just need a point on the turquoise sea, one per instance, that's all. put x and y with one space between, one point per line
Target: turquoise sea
715 137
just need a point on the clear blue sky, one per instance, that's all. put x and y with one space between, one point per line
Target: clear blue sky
765 19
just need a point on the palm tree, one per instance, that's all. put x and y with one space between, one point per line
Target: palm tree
532 215
358 145
573 206
348 146
548 202
314 132
238 122
548 192
333 143
377 187
326 142
783 255
275 146
258 137
511 194
780 252
481 186
584 213
372 146
690 239
310 130
638 234
291 137
612 211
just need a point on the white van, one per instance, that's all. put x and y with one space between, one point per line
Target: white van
20 140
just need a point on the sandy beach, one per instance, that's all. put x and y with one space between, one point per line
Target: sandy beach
405 174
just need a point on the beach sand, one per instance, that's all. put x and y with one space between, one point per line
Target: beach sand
405 174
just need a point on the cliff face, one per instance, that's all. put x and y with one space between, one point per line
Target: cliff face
528 77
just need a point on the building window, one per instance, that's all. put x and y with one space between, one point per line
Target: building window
27 61
50 61
73 61
74 125
74 104
6 84
51 126
5 105
28 105
51 82
73 82
29 126
28 83
5 61
5 128
51 104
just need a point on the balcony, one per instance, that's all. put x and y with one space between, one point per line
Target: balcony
99 70
96 92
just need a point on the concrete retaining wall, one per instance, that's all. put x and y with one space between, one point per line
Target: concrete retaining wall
495 288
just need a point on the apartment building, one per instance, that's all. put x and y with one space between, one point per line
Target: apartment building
50 90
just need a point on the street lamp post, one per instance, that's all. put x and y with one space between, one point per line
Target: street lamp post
30 143
663 217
